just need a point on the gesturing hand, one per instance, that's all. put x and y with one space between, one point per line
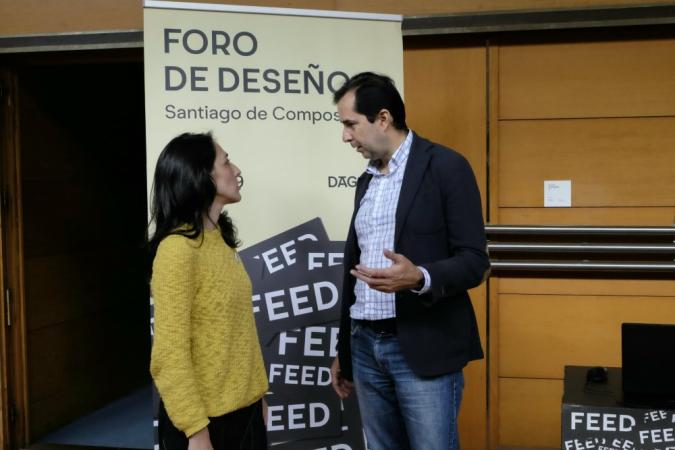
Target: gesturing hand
342 386
402 274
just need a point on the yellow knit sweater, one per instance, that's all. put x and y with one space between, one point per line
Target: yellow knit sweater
206 359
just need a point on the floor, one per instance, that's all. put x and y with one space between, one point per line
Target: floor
126 423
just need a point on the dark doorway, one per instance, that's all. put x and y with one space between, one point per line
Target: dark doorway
82 184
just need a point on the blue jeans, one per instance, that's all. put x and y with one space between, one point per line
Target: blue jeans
399 409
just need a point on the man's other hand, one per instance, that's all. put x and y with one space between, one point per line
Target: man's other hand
402 274
342 386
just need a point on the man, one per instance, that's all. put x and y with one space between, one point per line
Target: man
416 243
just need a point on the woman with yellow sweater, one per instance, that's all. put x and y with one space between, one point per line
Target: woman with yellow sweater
206 360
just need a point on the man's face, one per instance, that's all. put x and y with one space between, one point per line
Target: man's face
367 138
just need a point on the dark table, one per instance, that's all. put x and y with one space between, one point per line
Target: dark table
595 416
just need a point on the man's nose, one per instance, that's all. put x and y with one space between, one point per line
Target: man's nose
346 136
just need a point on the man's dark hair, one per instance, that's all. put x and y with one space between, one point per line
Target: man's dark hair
373 93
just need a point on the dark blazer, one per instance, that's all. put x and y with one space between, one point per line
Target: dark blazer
439 226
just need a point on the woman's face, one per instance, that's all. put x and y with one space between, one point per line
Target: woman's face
224 176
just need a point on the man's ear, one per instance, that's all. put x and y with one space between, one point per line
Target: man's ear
384 117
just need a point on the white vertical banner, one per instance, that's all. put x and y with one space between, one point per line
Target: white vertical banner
262 81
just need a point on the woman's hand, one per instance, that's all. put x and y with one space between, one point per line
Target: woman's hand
264 411
200 440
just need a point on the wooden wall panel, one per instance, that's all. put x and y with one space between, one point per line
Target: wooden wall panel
647 216
68 349
598 79
601 114
56 287
473 414
445 101
611 162
417 7
72 285
50 16
529 413
65 233
566 286
540 334
493 357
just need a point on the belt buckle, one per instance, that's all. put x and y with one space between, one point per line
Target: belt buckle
383 328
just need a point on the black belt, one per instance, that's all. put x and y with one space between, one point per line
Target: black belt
384 326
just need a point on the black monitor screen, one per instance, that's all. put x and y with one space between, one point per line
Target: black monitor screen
648 360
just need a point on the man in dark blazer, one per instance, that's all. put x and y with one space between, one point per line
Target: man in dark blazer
416 244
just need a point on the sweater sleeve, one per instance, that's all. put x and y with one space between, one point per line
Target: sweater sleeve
173 291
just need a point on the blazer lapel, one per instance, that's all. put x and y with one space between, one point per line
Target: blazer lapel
361 188
352 248
414 173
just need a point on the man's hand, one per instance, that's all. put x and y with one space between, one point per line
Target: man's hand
342 386
403 274
200 440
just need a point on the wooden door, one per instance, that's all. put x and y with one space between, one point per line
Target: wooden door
13 417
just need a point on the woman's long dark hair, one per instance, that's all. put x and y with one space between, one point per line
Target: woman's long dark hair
183 191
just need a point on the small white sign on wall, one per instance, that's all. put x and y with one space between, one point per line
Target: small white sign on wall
557 193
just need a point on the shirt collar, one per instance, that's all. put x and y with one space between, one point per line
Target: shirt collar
397 160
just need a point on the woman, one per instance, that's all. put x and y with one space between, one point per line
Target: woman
206 360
